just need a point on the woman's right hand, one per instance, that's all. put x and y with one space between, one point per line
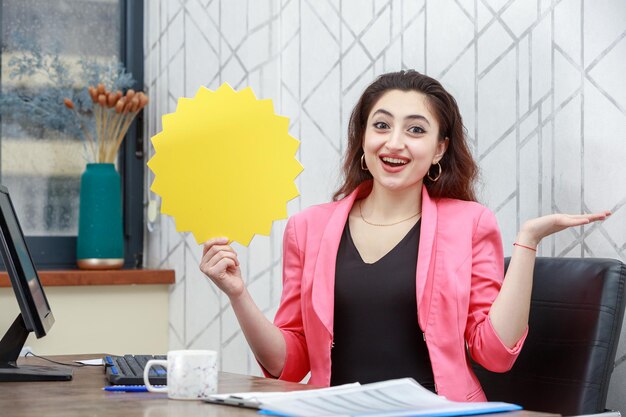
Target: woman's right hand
219 263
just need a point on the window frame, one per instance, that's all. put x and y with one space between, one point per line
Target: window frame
59 252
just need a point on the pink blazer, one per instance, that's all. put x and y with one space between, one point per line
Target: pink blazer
459 273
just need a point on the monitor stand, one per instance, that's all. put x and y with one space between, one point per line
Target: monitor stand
10 348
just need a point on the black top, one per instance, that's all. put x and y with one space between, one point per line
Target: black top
376 334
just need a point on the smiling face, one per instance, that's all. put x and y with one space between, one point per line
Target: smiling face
401 140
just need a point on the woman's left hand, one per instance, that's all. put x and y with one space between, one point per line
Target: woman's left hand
534 230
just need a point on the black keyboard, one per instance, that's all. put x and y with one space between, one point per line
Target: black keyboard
128 370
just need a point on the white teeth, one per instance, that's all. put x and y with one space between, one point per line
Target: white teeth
394 160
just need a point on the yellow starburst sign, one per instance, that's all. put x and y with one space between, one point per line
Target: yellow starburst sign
225 165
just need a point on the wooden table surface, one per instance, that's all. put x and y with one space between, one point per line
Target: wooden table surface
83 396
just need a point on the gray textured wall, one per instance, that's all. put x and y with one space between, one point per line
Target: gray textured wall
540 85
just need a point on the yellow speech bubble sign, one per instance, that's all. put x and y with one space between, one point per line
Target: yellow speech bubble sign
225 165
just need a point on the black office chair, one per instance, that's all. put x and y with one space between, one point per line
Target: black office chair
575 322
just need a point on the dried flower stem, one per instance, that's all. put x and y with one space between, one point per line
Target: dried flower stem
128 119
92 143
117 124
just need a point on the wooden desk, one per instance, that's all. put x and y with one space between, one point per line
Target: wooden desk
83 396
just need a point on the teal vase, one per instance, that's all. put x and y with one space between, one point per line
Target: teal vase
100 243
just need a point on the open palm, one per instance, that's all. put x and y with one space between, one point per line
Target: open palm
540 227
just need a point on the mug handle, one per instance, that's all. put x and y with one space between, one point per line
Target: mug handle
146 372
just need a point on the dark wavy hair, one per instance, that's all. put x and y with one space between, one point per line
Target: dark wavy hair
458 168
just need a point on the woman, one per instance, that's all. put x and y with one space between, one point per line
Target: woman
402 274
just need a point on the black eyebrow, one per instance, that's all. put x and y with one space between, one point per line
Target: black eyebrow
410 116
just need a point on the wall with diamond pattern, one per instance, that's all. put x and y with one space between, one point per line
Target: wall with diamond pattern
540 84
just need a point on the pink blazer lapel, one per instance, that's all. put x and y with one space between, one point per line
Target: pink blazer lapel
425 251
324 274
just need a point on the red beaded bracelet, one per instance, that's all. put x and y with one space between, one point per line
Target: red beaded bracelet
526 247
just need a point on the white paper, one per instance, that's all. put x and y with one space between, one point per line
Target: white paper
400 397
92 362
256 399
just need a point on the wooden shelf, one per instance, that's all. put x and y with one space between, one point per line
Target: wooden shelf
112 277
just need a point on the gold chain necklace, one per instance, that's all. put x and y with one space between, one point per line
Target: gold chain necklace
390 224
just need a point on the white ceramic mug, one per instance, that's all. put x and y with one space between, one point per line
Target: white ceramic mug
191 374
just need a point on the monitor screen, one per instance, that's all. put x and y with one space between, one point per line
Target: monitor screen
35 313
32 299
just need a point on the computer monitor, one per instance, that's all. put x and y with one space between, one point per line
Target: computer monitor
35 313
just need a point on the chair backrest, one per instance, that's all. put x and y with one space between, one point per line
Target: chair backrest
575 322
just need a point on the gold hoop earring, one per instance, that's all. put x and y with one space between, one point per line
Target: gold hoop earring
438 174
363 167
